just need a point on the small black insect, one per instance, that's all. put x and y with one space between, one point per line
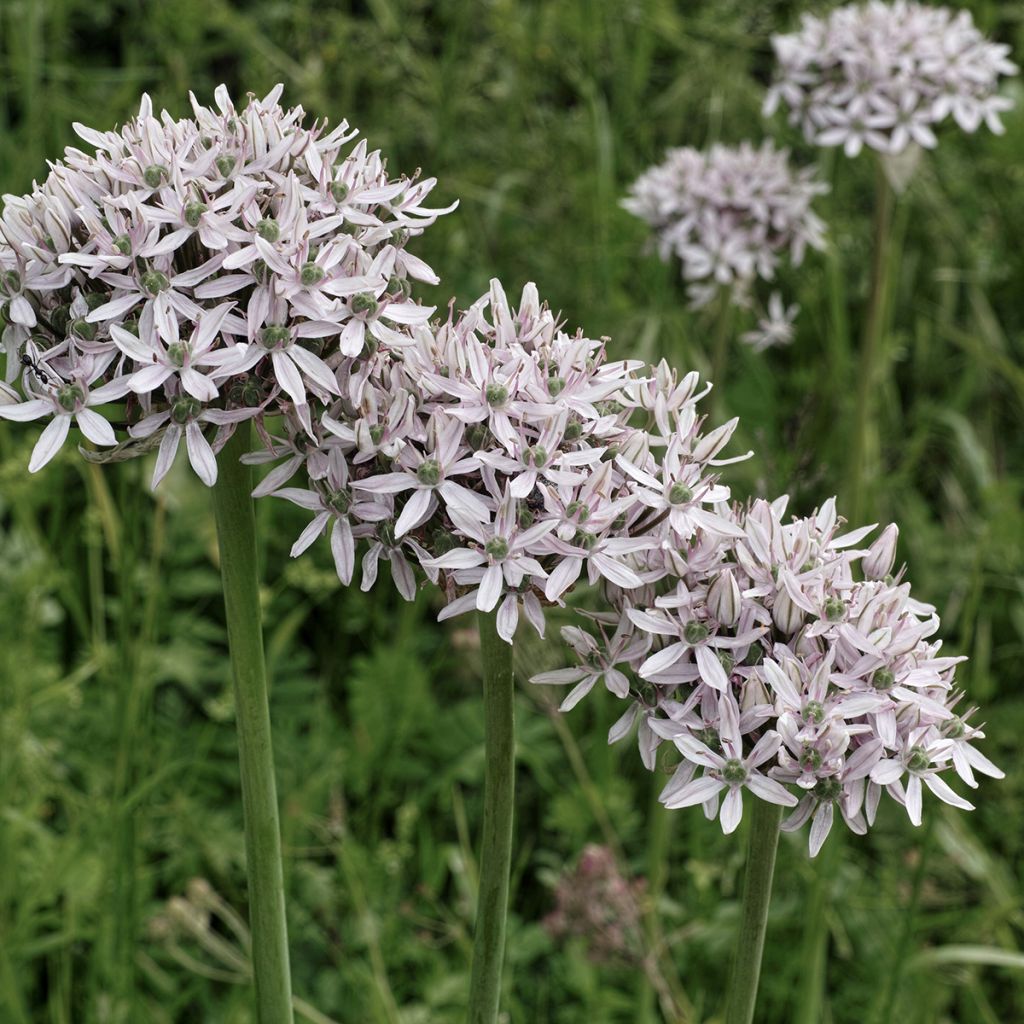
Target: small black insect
43 375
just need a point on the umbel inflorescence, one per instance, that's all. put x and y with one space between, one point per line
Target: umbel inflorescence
731 215
774 667
193 274
885 75
200 272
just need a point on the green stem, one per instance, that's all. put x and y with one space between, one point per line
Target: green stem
909 921
720 346
496 848
236 533
814 958
757 894
872 356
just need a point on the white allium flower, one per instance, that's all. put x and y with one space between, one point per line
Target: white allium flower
775 328
207 270
885 75
730 214
771 667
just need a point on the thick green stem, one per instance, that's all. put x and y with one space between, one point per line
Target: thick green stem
872 356
757 894
814 957
496 848
236 533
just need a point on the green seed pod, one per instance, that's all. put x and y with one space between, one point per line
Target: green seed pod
918 760
497 548
226 164
311 274
185 409
556 385
268 229
339 191
496 395
364 302
883 679
70 396
679 494
193 211
154 282
83 329
834 609
176 353
695 632
274 336
155 175
733 772
123 244
429 472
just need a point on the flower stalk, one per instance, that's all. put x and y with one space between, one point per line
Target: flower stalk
496 847
873 355
236 533
757 890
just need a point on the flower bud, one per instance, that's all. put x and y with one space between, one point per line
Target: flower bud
787 615
724 598
881 556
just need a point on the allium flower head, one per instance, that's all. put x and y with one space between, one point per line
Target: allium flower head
205 270
730 214
886 75
772 668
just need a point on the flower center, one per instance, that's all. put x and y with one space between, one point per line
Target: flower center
340 501
155 175
537 456
193 211
834 609
274 337
185 409
814 711
176 354
364 302
71 397
694 632
268 229
154 282
679 494
734 773
883 680
918 759
311 274
429 472
497 548
497 395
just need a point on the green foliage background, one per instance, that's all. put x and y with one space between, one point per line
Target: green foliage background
118 779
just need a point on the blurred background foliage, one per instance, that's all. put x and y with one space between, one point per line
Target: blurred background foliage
118 779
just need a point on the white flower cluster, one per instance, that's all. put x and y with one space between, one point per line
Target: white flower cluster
884 75
771 668
730 214
205 270
237 265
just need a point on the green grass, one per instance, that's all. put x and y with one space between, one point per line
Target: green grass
118 772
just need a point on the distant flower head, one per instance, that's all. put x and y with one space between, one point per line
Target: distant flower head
775 328
204 271
596 903
730 214
886 75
